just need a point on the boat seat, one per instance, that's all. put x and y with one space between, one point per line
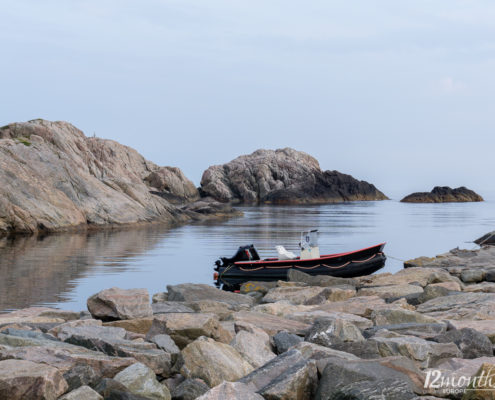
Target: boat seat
284 254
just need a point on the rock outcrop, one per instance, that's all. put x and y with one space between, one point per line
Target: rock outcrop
443 194
283 176
53 177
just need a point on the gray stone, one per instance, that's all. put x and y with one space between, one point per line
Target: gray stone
189 389
111 341
490 276
81 375
295 275
288 376
116 303
461 306
472 343
310 316
424 331
309 295
432 292
254 345
284 340
313 351
472 275
230 391
271 324
164 307
166 343
184 328
82 393
424 353
330 332
20 380
399 316
394 378
141 380
212 362
390 291
367 349
194 292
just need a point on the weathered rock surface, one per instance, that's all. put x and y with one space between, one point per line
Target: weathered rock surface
229 391
184 328
141 380
472 343
116 303
309 295
212 362
461 306
283 341
457 260
423 352
194 292
294 275
399 316
391 291
424 331
313 351
271 324
20 380
386 378
455 370
112 341
486 327
330 332
52 177
288 376
443 194
253 345
140 326
283 176
82 393
189 389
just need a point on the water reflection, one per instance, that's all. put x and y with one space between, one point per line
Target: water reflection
65 269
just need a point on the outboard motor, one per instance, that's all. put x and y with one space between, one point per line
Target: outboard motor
244 253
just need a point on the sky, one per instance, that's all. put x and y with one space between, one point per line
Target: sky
398 93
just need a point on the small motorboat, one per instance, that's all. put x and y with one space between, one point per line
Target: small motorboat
246 264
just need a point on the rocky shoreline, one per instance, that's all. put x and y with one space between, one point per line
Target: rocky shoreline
380 336
54 178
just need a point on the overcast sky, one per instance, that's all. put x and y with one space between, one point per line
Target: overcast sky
399 93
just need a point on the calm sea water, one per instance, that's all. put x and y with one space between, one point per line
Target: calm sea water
64 270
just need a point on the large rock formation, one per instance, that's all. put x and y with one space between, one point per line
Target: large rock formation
443 194
53 177
283 176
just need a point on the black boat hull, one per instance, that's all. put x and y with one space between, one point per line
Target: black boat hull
344 265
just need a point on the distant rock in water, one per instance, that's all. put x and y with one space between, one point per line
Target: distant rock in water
443 194
53 177
283 176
